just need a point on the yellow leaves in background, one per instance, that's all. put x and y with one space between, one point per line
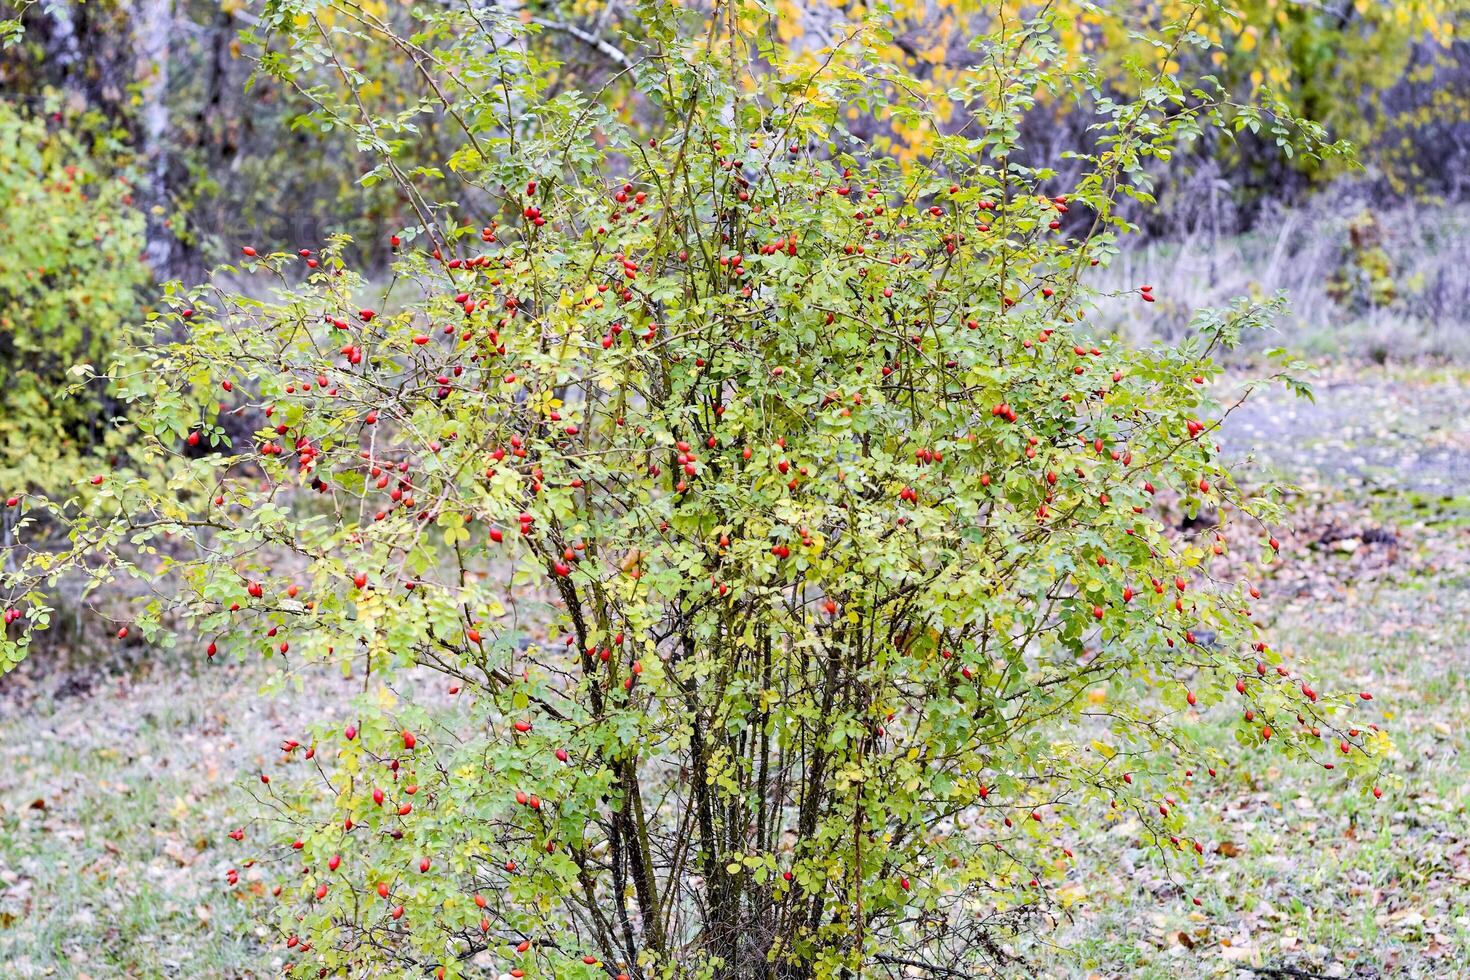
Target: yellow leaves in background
790 23
938 51
1261 44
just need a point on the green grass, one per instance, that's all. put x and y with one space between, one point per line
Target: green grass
119 871
1329 881
1433 510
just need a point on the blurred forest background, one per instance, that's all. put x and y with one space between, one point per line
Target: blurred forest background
184 105
145 140
181 100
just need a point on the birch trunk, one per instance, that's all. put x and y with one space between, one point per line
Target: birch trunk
153 29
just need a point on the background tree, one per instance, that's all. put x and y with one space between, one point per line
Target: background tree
212 162
70 278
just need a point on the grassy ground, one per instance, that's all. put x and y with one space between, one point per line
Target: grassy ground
119 783
1307 875
115 798
1304 874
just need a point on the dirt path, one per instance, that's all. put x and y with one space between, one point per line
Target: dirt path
1369 431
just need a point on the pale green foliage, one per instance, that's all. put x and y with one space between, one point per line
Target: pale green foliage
69 278
782 489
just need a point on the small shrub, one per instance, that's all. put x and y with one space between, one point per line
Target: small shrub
1364 278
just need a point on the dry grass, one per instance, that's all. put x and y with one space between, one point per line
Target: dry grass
1300 252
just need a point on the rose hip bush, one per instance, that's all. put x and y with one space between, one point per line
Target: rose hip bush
770 511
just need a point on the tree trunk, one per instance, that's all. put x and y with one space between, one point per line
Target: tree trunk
152 30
